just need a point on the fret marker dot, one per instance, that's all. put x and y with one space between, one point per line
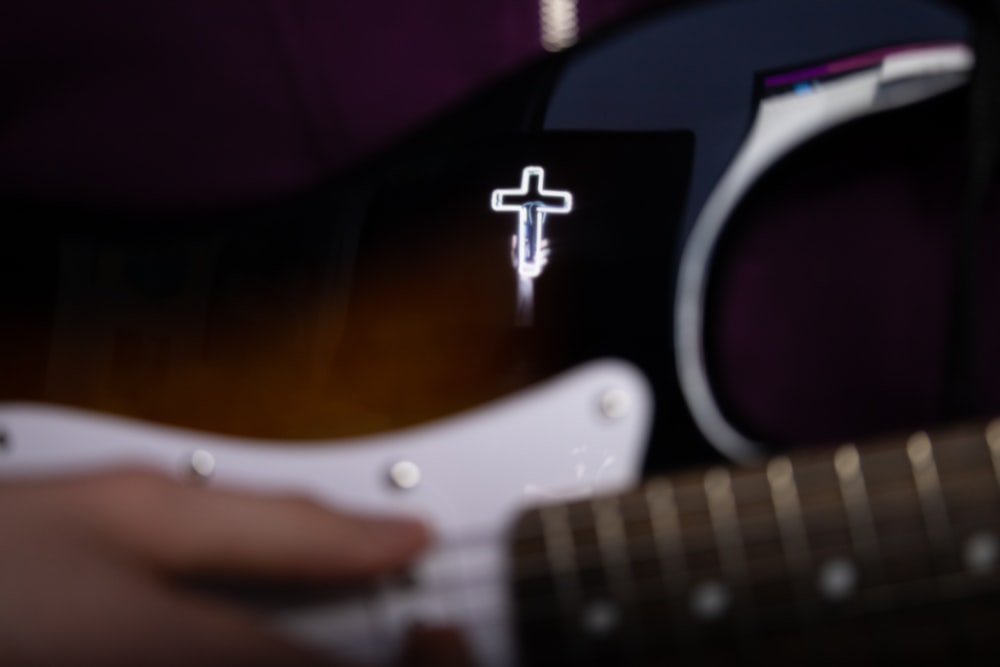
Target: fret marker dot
838 579
600 618
710 600
982 551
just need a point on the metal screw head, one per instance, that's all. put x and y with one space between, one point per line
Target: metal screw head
615 404
404 475
201 465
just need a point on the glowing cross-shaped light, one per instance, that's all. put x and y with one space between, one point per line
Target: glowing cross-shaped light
532 203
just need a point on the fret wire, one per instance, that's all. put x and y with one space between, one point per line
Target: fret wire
586 558
665 525
557 534
668 544
861 522
725 523
794 539
780 474
993 442
816 507
562 566
920 451
899 547
883 454
875 490
611 539
788 508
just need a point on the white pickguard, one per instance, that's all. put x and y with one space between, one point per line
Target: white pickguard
478 470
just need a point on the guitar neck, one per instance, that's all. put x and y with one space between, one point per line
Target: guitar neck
862 553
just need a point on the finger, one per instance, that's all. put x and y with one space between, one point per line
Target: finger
196 530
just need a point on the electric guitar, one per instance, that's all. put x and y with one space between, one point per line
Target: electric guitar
884 551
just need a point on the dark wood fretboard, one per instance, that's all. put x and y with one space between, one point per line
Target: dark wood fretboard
857 554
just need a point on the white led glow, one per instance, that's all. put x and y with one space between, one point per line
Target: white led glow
532 203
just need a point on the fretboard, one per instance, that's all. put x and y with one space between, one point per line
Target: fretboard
859 554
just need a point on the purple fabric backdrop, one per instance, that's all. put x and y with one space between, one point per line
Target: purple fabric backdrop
189 102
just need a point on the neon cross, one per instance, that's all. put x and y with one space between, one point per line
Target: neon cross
532 203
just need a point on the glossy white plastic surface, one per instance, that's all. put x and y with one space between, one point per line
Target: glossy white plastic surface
477 471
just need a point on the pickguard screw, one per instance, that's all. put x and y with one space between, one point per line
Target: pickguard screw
615 404
201 465
404 475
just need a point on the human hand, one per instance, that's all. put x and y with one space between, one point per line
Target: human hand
92 569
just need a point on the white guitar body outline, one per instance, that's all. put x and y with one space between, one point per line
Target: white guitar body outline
468 476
